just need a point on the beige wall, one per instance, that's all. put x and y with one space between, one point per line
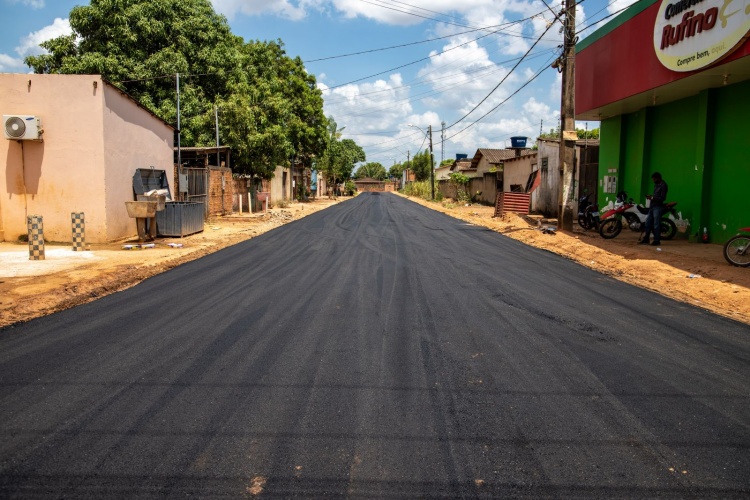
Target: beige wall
517 170
133 138
94 139
279 189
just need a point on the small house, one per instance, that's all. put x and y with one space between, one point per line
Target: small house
82 142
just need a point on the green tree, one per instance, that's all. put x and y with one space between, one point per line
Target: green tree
373 170
141 44
339 157
396 170
460 182
447 161
273 114
420 164
271 109
588 134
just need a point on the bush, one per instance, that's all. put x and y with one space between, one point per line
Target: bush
421 189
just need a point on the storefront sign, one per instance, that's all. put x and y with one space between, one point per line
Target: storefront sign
693 34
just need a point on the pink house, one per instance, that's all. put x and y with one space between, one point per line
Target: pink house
94 138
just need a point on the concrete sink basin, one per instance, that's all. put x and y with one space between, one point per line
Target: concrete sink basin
141 209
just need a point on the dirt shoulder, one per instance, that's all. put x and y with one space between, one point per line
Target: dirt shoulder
721 288
30 289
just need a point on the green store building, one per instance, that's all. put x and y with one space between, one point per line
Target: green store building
669 80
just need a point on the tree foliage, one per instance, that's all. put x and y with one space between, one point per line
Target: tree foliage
339 156
373 170
554 133
396 170
271 111
420 164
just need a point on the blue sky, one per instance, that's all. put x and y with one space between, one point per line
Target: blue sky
378 95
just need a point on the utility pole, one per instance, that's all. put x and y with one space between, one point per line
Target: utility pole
216 118
567 117
408 165
432 166
442 142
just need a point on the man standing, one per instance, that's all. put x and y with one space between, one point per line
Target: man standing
655 210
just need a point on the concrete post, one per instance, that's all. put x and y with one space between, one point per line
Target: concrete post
79 231
35 227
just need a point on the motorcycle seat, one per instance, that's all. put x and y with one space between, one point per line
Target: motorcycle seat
642 209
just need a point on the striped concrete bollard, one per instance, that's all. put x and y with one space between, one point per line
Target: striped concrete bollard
79 231
36 237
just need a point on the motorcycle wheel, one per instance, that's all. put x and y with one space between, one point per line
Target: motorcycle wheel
585 221
667 229
610 228
737 251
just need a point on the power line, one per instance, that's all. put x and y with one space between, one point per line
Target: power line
504 78
430 93
369 51
428 57
604 18
541 70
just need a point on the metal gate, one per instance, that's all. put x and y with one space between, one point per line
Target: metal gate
197 186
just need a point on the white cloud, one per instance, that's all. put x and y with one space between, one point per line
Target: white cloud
618 5
368 107
10 64
283 8
34 4
30 43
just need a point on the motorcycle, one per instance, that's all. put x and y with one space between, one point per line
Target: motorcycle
737 249
636 219
588 213
611 220
635 216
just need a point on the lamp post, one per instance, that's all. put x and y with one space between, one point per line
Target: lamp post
432 160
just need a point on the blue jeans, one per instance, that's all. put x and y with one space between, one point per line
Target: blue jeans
653 223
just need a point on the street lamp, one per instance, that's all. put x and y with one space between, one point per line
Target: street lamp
432 161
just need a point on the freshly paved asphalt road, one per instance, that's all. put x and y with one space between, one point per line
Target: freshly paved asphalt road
377 349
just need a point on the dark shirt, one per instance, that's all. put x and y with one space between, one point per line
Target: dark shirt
660 194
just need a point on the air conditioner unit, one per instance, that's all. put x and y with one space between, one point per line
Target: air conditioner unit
22 127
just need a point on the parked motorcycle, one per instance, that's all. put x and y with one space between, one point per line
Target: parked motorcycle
636 219
634 216
611 220
588 213
737 249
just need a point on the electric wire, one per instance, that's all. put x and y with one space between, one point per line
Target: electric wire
476 72
539 72
369 51
507 25
429 93
504 78
604 18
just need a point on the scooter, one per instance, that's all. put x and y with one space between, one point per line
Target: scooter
588 213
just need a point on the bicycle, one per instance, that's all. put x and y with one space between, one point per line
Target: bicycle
737 249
